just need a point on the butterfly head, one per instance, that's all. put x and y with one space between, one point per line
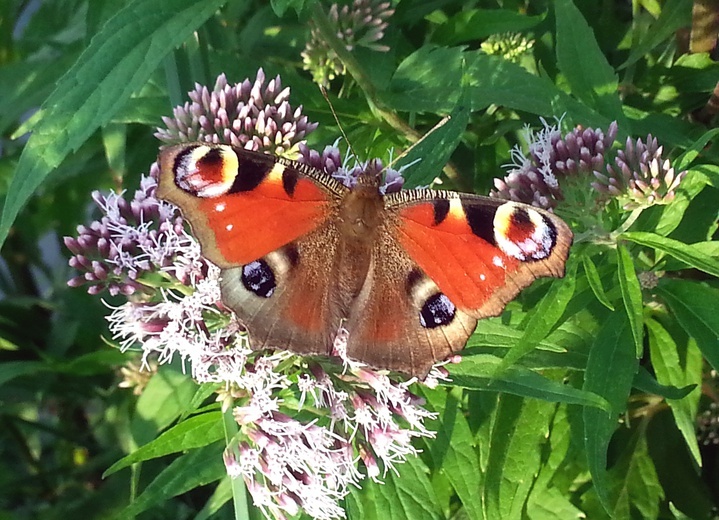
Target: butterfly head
362 210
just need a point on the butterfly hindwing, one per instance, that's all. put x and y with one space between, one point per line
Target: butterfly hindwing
400 320
283 299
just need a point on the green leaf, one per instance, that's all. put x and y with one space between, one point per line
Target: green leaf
595 282
707 249
519 432
675 15
645 382
435 149
631 296
453 449
220 496
194 432
197 468
545 316
695 307
676 214
548 500
430 79
118 61
678 369
689 254
9 370
166 397
582 62
407 495
477 372
493 333
685 160
418 86
610 370
638 486
475 24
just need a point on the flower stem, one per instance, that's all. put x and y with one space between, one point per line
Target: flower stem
239 490
375 102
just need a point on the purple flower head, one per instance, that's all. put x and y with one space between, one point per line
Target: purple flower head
535 178
347 171
639 176
254 116
132 239
361 24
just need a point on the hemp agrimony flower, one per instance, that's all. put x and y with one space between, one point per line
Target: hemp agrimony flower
510 46
250 115
583 167
639 176
308 429
361 24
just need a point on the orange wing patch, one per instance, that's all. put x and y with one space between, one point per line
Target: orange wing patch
248 225
465 267
242 205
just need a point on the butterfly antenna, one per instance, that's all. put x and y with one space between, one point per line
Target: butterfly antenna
337 120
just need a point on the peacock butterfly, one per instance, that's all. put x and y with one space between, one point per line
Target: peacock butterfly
408 274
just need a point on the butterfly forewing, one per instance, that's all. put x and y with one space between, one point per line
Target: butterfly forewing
480 251
243 205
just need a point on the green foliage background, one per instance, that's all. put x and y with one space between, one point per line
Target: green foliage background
580 402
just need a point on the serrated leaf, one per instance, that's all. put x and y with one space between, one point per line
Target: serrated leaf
610 370
118 61
687 253
196 468
595 282
678 369
631 296
194 432
695 307
453 449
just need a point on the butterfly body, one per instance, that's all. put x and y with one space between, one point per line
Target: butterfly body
407 274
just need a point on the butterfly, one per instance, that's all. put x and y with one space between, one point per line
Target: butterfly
407 274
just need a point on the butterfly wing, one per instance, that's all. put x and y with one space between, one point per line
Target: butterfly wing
392 322
243 205
461 258
479 251
269 224
286 299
